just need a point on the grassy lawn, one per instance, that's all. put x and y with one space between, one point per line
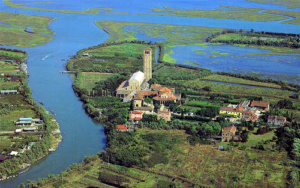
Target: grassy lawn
237 90
201 104
7 121
114 58
229 79
9 53
254 139
88 79
9 85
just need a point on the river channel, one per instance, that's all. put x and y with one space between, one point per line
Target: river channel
81 135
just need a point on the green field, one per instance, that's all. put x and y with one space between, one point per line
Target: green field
229 79
189 164
236 90
113 58
200 104
88 79
14 35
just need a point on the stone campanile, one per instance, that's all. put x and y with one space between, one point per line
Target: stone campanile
148 63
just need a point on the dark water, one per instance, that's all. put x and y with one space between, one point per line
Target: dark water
82 136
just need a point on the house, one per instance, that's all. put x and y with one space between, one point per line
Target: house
165 95
30 129
156 87
24 122
9 91
276 120
138 100
125 128
18 130
263 106
136 115
249 115
230 111
164 114
228 133
14 153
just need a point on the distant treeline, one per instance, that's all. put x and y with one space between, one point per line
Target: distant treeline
283 39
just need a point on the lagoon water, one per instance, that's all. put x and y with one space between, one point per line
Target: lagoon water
81 135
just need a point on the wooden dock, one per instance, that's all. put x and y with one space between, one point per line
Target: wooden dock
67 72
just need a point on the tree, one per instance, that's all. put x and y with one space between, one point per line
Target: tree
147 100
22 185
245 136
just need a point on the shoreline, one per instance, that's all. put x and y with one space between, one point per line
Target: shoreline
55 133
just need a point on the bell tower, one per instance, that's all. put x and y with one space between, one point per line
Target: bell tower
148 63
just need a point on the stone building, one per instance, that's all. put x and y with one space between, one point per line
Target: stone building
139 80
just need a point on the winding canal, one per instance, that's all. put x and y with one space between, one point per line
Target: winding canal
81 135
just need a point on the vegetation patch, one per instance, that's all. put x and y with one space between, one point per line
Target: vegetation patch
16 34
288 3
89 11
223 78
174 35
227 12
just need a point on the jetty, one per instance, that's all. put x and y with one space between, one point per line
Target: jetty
67 72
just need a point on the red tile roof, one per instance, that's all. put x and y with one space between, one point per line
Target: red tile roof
229 129
137 118
147 93
164 99
164 90
138 97
277 117
259 104
230 109
121 127
156 86
136 112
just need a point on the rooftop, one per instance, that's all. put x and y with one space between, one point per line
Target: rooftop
121 127
164 90
259 104
229 129
277 117
139 76
230 109
135 112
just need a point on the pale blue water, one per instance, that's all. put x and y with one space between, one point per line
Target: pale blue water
73 32
235 60
142 7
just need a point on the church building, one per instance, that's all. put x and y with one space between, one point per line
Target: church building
139 80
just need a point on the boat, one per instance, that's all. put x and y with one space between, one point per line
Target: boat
25 170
